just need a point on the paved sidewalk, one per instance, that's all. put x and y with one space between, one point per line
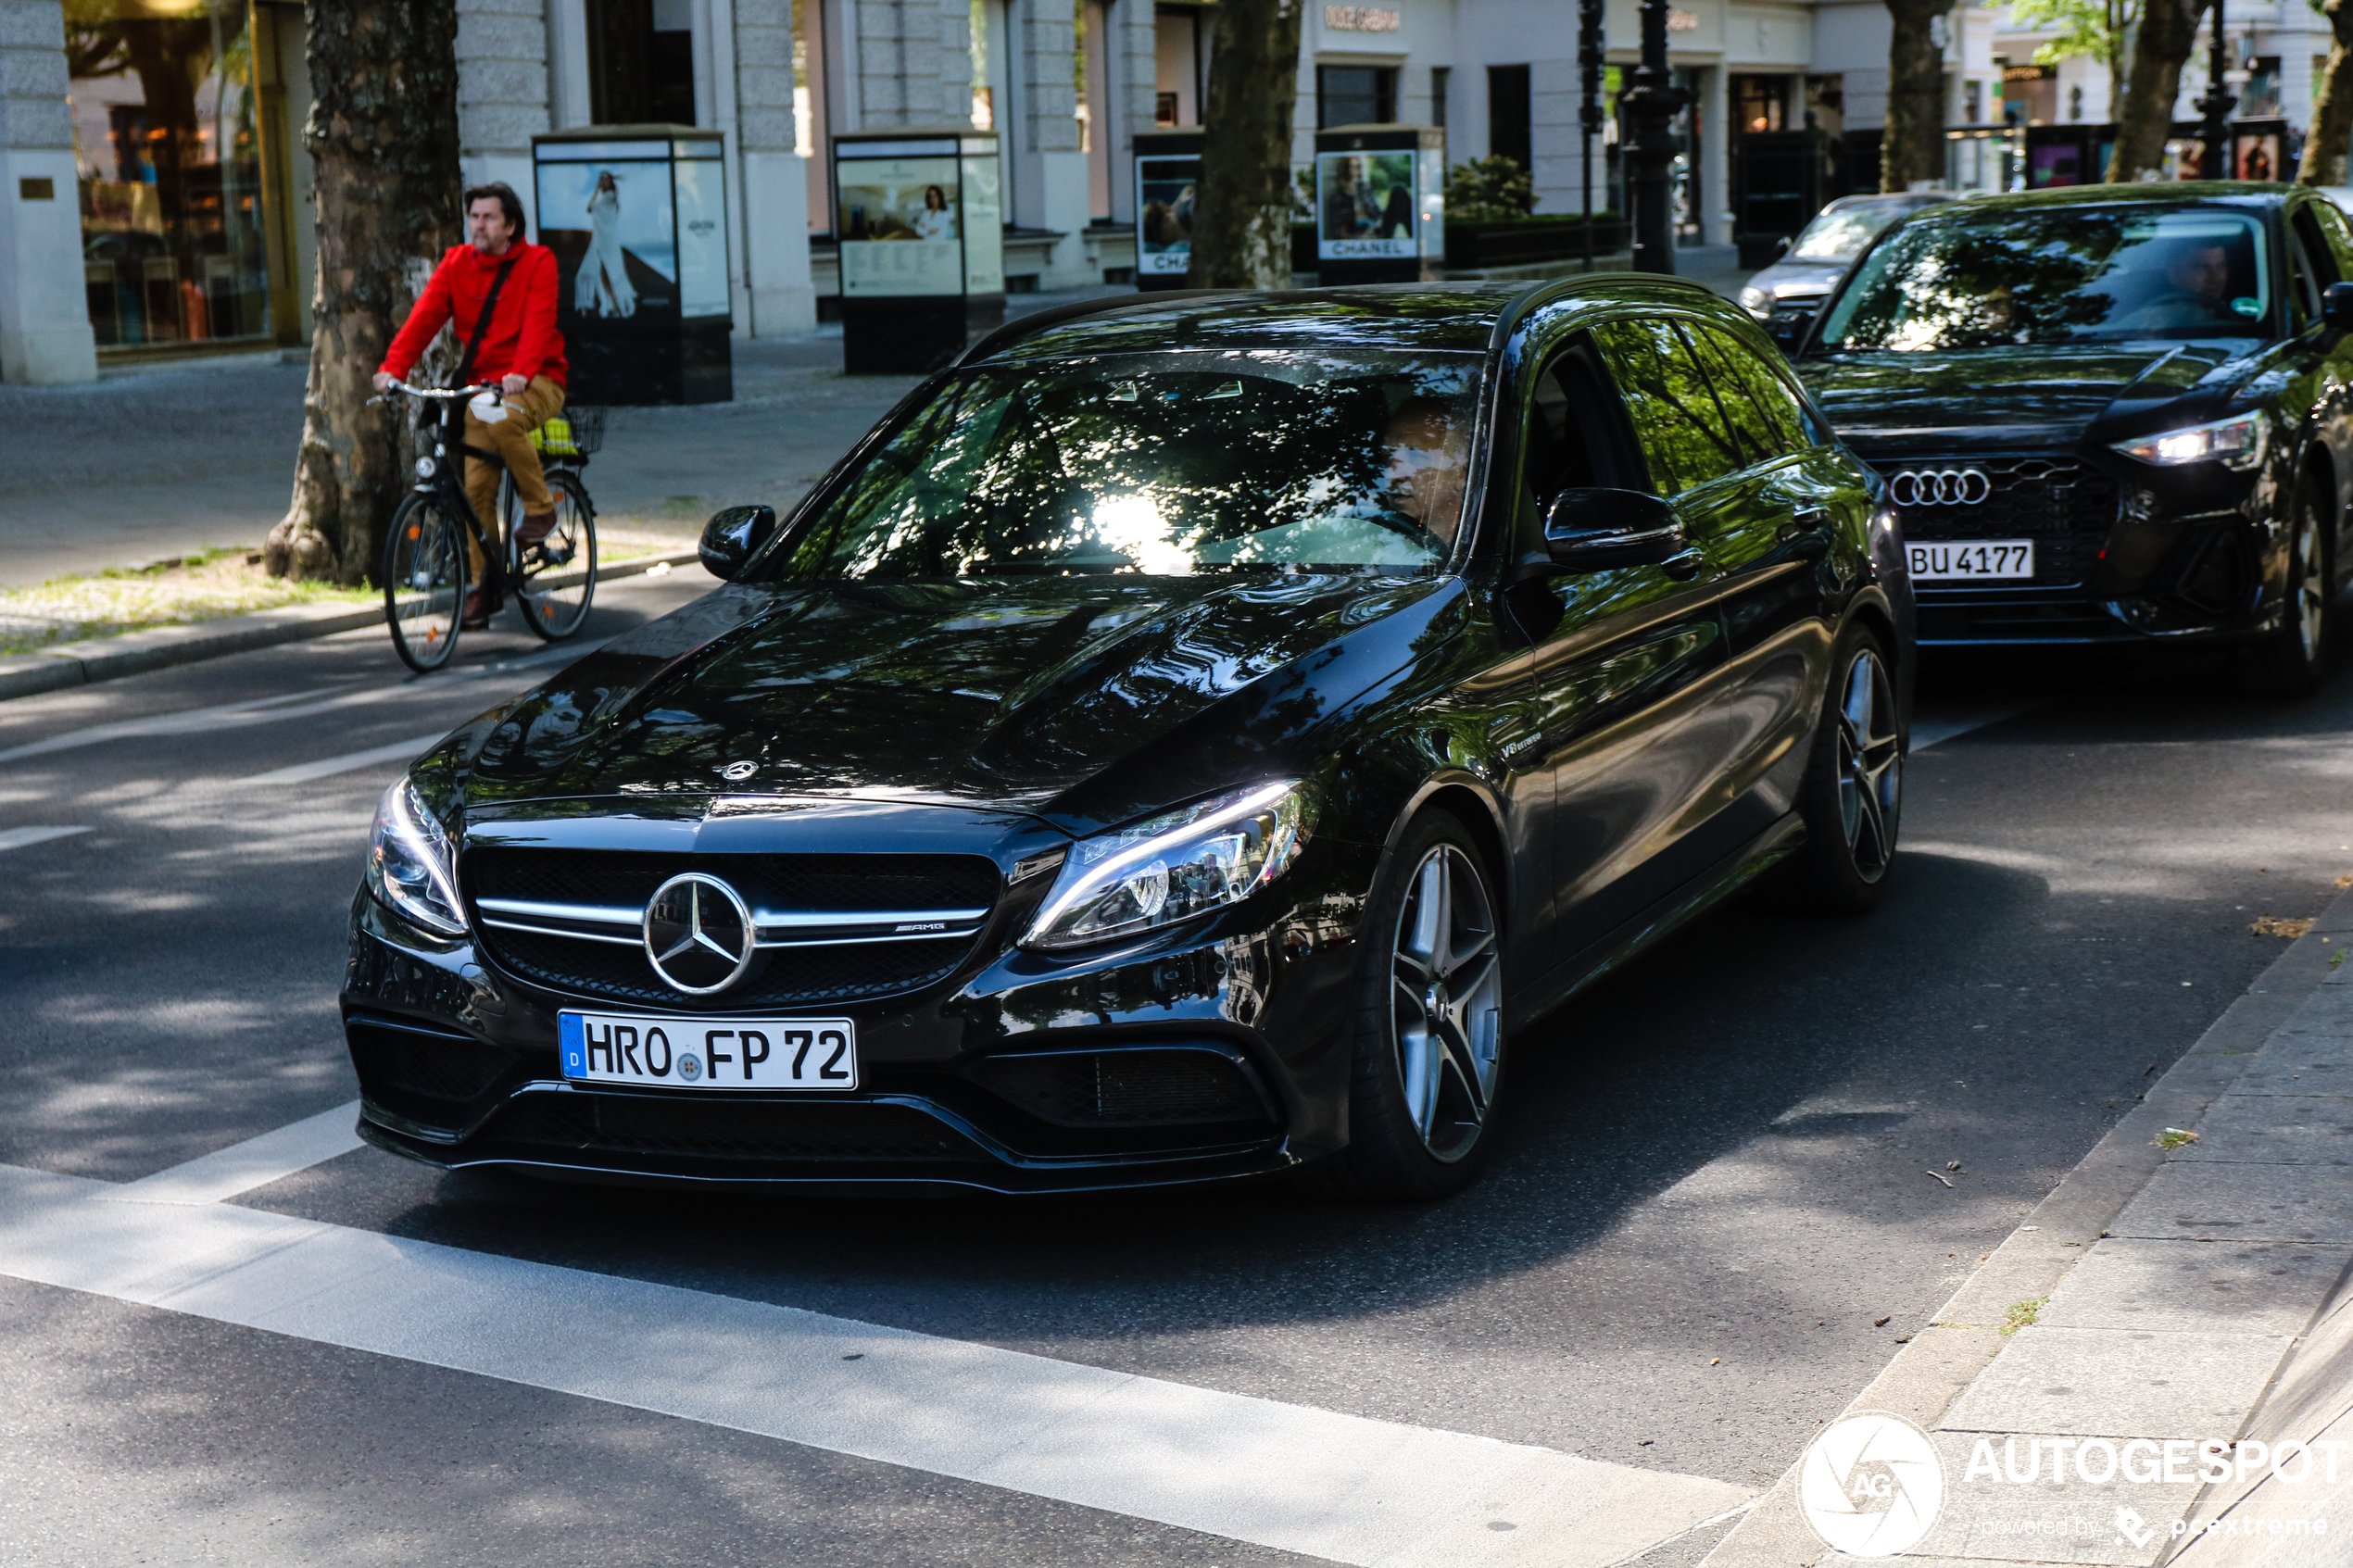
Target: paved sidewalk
2173 1297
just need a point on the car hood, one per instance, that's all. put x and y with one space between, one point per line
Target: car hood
1798 278
2042 395
980 694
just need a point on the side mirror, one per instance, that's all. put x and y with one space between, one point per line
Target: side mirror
1788 328
1780 247
733 536
2336 306
1595 530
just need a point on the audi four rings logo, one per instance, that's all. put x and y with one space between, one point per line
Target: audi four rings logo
1939 487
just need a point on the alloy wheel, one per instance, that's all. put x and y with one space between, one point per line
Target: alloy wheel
1871 765
1446 1001
2312 586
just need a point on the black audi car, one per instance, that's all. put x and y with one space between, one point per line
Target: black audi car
2110 414
1183 742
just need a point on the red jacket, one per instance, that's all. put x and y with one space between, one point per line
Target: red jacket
522 339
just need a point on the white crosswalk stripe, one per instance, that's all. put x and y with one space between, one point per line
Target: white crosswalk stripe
1336 1486
303 772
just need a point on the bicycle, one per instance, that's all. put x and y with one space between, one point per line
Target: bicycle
426 560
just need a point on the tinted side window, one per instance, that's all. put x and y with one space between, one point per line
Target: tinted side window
2313 266
1761 404
2338 230
1681 425
1575 436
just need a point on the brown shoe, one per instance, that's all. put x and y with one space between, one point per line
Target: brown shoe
476 617
535 526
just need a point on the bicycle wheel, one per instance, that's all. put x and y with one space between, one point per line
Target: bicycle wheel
424 581
556 577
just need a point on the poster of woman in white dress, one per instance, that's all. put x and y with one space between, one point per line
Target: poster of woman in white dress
611 223
603 287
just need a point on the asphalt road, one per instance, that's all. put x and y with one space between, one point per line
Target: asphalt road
1713 1185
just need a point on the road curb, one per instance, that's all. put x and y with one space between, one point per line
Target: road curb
133 653
1964 1335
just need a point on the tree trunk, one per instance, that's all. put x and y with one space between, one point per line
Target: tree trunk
2324 149
383 133
1913 149
1241 220
2145 119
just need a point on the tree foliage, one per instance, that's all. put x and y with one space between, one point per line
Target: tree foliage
2324 149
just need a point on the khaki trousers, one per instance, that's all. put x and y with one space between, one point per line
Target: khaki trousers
510 438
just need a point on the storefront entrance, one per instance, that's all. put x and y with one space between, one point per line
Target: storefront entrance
167 159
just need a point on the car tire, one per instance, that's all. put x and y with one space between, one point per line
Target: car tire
1427 1050
2291 661
1853 797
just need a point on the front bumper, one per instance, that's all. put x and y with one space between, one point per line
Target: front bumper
1213 1056
2125 553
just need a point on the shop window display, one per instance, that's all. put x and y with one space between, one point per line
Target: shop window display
168 169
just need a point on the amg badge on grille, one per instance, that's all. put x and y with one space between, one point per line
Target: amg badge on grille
700 934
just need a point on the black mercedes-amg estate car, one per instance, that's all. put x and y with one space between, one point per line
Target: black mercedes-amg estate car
1183 741
2110 414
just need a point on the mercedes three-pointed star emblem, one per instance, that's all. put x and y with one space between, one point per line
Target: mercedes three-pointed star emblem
700 934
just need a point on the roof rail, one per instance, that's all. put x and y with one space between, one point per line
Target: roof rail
1038 320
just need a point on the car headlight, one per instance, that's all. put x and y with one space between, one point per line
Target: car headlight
1755 299
1170 867
411 867
2235 443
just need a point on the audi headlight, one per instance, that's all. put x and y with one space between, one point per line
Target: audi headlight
2235 443
1172 867
411 867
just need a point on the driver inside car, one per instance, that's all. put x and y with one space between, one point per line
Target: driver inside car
2197 277
1428 465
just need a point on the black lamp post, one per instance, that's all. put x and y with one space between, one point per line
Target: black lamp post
2214 161
1651 105
1589 114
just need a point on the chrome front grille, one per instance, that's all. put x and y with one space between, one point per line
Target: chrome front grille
830 928
2065 507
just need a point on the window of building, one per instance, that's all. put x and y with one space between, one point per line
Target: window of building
1439 77
167 159
1180 35
1760 103
1508 115
641 62
1355 96
2261 98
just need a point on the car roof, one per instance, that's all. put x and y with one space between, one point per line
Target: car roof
1462 318
2221 193
1889 198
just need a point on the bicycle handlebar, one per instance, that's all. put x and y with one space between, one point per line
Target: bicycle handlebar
437 391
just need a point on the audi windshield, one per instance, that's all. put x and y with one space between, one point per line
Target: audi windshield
1977 280
1170 464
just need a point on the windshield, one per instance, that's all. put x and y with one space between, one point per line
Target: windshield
1841 237
1164 465
2058 275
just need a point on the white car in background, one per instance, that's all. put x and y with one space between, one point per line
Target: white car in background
1819 257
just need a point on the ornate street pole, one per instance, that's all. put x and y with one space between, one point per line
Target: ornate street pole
2214 162
1650 105
1589 116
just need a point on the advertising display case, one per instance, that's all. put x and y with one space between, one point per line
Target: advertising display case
1380 209
1167 175
637 218
920 222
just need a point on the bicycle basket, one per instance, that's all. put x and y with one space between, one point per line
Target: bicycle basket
575 432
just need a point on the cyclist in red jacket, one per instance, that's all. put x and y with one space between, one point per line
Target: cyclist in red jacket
518 351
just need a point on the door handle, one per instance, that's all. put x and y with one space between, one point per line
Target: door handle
1807 536
1684 565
